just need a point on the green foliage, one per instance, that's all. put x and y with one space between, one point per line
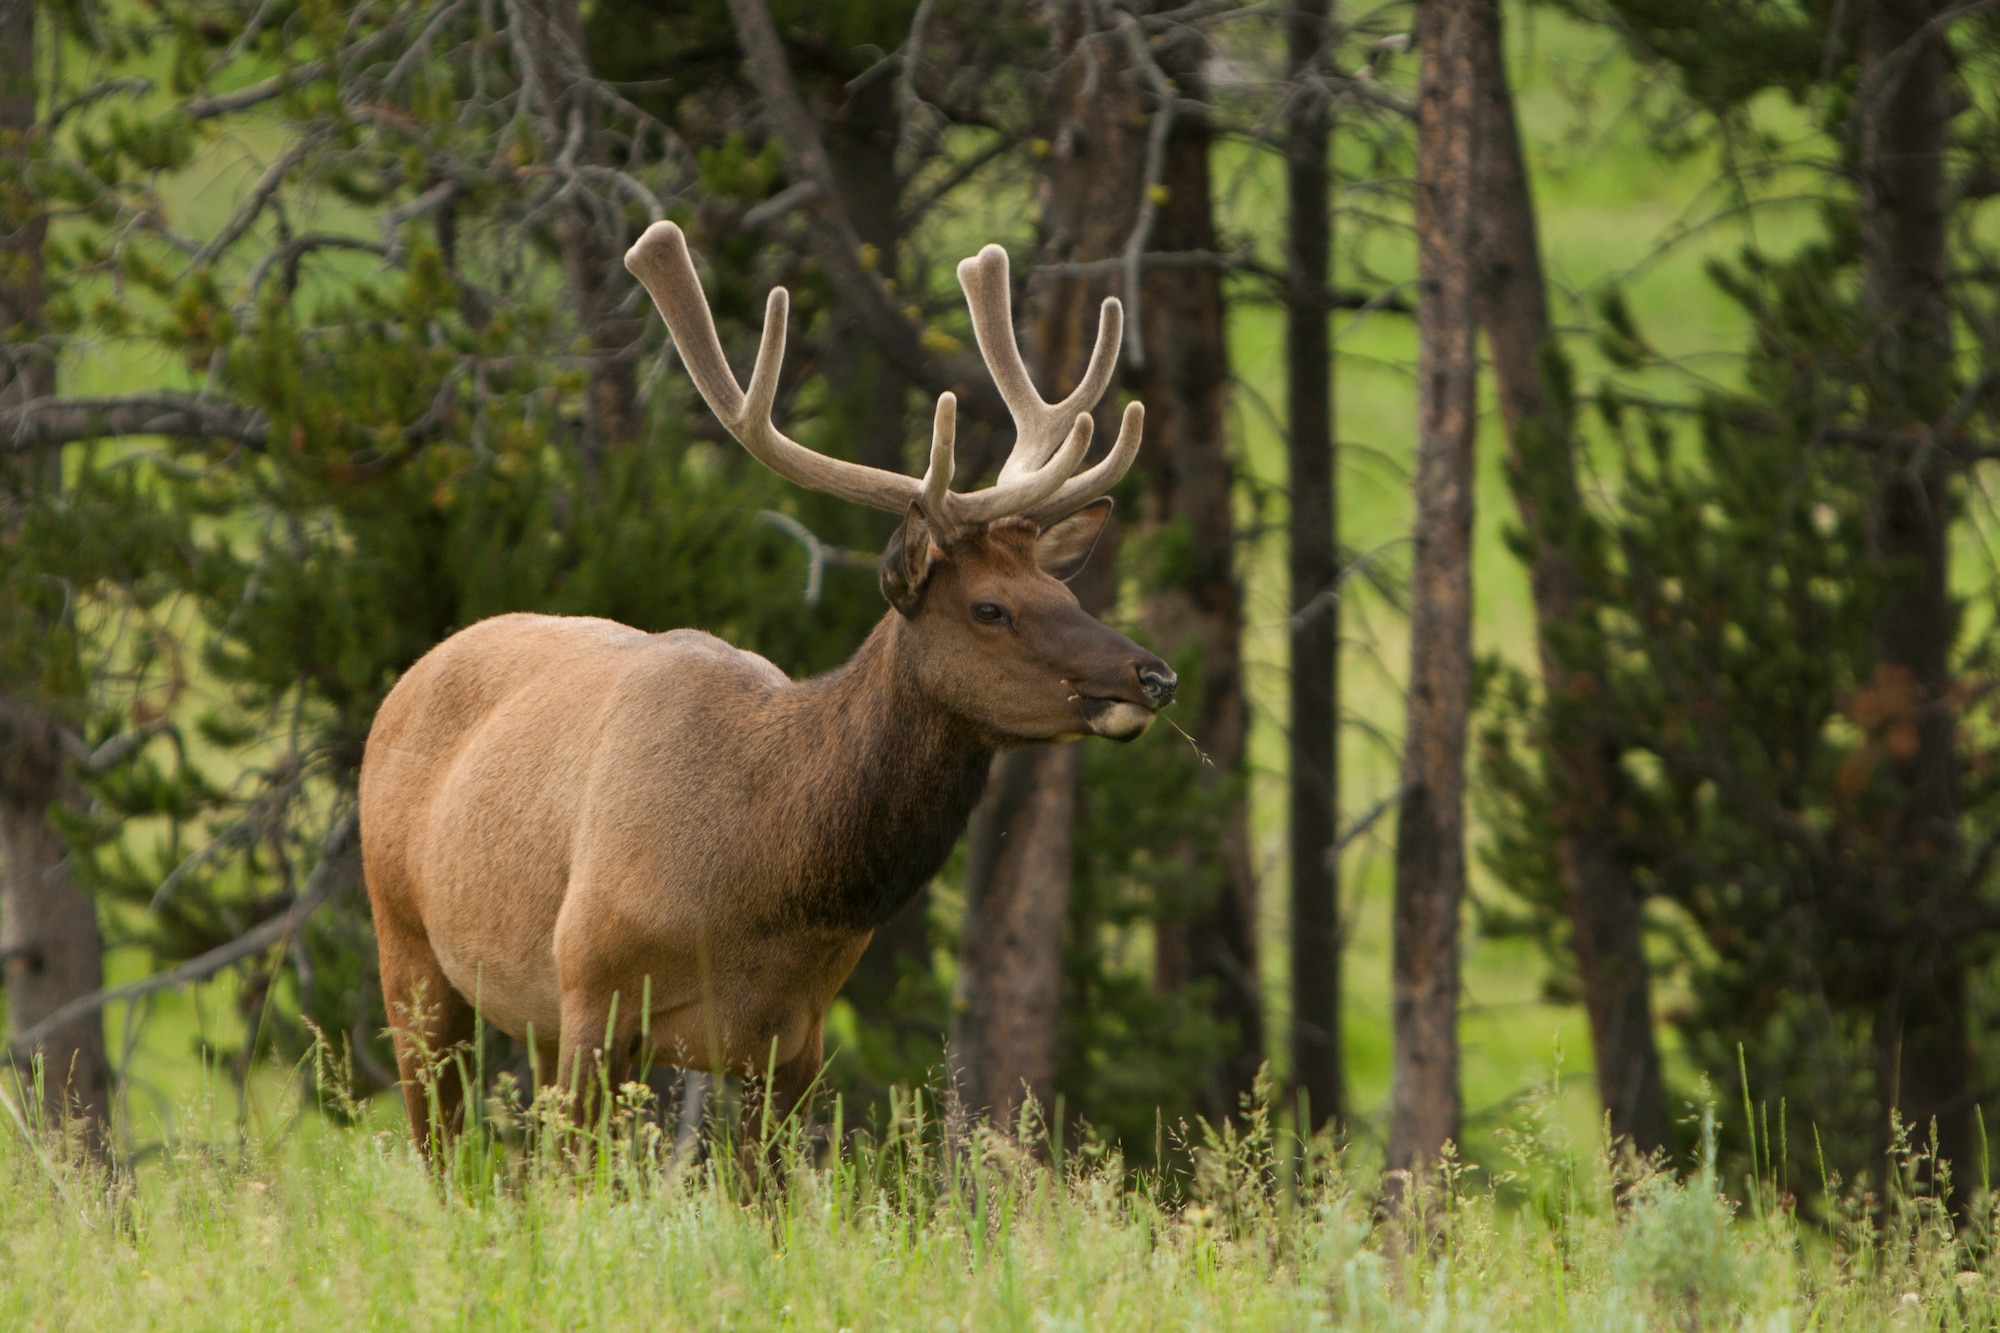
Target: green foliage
1725 54
94 551
1740 656
1148 851
1679 1247
1758 735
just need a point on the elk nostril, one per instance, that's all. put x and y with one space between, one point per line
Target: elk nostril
1158 685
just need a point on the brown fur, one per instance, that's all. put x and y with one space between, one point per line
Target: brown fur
565 821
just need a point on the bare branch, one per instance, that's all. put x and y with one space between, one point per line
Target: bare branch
122 746
207 108
818 554
260 194
919 118
959 175
1367 820
339 863
420 48
793 196
429 201
1379 94
1149 188
96 93
1086 268
1888 76
51 421
834 239
629 184
298 247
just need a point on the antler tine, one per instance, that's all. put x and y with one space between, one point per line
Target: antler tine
1081 489
660 260
936 484
1038 424
1022 493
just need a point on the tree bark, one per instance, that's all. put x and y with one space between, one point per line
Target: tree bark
1923 1041
861 148
1314 565
861 151
590 232
1604 900
1184 383
1017 893
1018 880
1430 833
49 937
835 241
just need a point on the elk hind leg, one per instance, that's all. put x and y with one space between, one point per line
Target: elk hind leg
792 1080
428 1022
596 1052
765 1131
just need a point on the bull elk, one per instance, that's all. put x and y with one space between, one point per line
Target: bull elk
566 821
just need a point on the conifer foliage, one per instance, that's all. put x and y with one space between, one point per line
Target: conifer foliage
1799 689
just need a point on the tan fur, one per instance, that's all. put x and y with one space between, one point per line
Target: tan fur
564 817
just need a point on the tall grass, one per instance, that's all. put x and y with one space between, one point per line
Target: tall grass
929 1222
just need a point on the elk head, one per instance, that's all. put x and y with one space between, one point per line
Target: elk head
977 577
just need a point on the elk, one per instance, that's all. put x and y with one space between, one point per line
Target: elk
597 837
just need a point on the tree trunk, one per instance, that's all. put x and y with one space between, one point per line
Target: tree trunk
1604 901
590 231
49 938
1020 864
48 926
1314 565
1923 1043
872 986
1430 833
1017 893
1184 383
861 148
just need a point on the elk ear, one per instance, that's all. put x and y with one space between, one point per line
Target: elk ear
907 563
1065 546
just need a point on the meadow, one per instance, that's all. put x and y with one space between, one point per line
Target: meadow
259 1211
927 1223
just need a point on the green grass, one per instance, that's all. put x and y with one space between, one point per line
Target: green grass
303 1224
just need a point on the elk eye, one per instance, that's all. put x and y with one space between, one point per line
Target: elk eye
991 613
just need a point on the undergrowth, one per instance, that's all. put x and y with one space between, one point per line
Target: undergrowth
930 1221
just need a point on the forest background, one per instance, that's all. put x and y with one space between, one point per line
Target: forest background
320 349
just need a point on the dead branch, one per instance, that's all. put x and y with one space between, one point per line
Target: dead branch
1157 134
289 254
795 195
252 207
339 864
51 421
222 104
834 240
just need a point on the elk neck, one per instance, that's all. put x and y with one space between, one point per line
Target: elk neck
884 780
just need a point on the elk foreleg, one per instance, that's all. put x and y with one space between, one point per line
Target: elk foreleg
785 1087
428 1022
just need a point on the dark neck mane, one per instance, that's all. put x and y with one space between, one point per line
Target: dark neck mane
882 784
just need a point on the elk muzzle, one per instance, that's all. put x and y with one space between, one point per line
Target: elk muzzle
1120 705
